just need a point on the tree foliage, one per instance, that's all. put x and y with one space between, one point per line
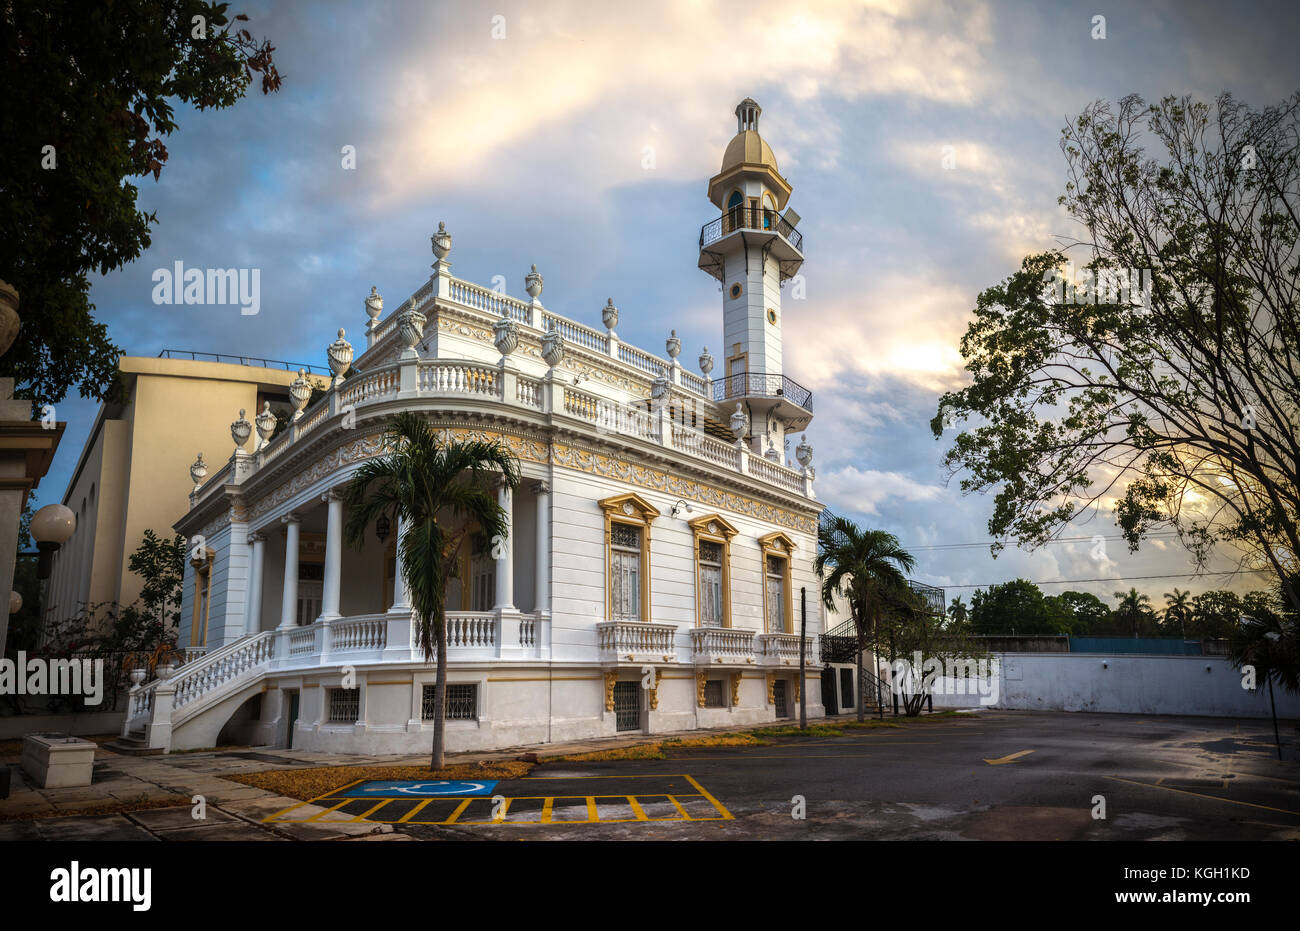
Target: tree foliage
1179 411
89 91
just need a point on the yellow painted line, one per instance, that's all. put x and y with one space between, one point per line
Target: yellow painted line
726 815
636 808
592 813
381 804
500 817
460 810
1213 798
354 782
1009 758
330 809
546 809
413 812
285 812
678 806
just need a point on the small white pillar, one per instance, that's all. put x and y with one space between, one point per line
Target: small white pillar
401 599
331 587
505 564
289 605
543 548
257 565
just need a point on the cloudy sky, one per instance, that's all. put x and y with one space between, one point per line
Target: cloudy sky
528 135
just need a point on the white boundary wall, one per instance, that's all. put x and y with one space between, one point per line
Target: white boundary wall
1125 684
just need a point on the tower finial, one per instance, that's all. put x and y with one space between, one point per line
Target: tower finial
747 112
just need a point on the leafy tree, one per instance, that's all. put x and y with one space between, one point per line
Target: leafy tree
88 100
911 629
1178 611
1015 607
1216 615
436 489
161 564
864 567
1087 614
1183 407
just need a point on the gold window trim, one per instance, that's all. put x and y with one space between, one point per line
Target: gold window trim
781 546
202 595
633 510
722 532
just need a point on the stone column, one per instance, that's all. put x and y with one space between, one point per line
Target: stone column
289 606
542 601
401 600
332 585
505 563
253 614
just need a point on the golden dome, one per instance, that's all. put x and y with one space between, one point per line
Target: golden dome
748 147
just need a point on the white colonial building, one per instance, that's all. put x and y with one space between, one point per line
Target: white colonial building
659 544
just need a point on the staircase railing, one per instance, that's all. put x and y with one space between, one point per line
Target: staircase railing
152 704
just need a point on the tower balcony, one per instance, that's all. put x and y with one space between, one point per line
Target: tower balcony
788 399
741 226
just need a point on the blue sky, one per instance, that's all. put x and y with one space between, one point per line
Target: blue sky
532 148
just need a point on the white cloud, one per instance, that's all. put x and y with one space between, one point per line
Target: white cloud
862 491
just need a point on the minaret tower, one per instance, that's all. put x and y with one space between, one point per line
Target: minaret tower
752 249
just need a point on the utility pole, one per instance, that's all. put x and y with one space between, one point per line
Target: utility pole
803 683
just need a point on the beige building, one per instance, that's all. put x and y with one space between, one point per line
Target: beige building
131 475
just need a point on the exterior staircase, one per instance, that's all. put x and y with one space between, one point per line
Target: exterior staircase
203 687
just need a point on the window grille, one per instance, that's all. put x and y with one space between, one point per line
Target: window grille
778 694
714 697
345 706
462 702
627 706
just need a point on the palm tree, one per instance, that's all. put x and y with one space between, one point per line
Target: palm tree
1178 607
958 611
436 490
862 566
1132 606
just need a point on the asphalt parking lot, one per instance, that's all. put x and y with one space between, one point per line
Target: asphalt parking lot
991 776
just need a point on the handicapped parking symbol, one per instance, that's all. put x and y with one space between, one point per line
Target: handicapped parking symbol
426 789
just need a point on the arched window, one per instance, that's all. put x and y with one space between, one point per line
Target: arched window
735 211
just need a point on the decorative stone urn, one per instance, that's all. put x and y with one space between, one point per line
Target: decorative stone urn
164 670
803 452
198 472
609 314
9 321
339 356
410 327
375 306
441 242
240 431
138 674
706 362
553 348
674 346
533 284
505 336
773 454
265 425
299 393
659 390
739 423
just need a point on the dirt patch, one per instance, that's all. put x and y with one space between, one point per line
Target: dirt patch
307 784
